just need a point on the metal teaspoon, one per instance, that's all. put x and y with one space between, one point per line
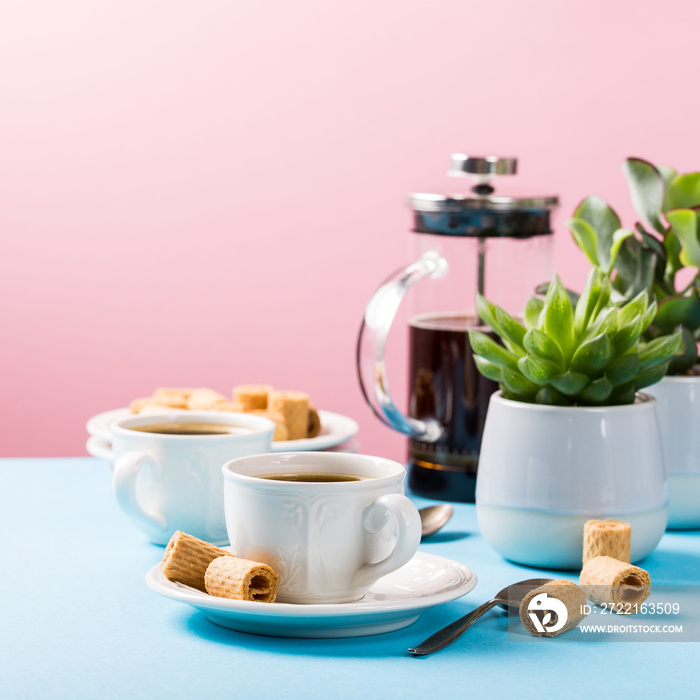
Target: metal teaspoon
433 518
511 596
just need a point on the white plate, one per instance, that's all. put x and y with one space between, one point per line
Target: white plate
393 602
335 429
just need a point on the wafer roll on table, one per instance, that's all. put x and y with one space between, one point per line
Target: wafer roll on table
614 583
607 538
566 593
186 559
240 579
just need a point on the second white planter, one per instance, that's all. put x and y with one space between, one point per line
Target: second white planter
545 470
678 408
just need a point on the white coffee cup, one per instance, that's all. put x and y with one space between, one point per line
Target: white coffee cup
328 541
167 482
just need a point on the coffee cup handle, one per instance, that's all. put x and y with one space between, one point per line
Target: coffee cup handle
126 471
408 535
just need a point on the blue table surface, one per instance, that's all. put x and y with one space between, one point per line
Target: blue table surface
78 620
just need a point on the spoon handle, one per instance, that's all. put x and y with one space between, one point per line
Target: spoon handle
447 635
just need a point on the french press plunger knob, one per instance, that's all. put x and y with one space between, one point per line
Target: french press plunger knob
481 169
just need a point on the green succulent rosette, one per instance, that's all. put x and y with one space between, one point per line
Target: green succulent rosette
587 353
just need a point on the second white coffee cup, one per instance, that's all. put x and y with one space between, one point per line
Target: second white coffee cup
329 538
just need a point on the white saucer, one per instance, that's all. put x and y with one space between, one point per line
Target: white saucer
393 602
335 429
98 448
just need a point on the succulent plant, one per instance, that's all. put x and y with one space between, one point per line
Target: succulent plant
586 354
653 254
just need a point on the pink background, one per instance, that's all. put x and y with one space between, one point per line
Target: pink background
207 193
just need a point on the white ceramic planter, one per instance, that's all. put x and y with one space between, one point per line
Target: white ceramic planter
545 470
678 409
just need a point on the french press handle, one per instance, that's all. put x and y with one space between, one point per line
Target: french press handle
371 343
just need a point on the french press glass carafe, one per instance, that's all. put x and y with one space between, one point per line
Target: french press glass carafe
500 246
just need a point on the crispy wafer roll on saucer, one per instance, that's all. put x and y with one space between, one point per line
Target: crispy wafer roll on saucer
559 599
607 538
186 559
614 583
240 579
253 397
294 406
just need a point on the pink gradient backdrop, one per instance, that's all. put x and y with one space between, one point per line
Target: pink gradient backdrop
207 193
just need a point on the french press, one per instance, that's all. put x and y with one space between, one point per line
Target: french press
484 241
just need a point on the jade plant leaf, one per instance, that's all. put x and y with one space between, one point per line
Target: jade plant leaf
684 223
619 237
684 191
585 237
646 186
667 174
678 310
635 267
686 356
603 221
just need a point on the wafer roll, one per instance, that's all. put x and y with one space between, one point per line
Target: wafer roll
281 432
173 394
186 559
607 538
240 579
614 583
294 406
230 406
204 399
542 603
253 397
314 423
